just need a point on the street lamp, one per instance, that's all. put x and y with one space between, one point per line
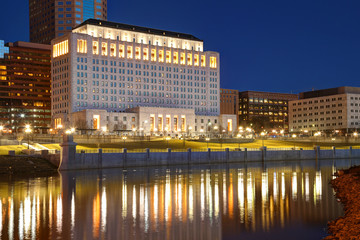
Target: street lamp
28 131
294 136
207 142
124 138
262 138
167 142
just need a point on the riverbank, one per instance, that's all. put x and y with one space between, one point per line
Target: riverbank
347 187
21 166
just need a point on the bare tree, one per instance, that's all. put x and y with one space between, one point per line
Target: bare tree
19 138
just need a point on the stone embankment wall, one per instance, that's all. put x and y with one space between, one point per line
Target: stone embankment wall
70 160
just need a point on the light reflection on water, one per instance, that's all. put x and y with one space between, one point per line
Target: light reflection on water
275 200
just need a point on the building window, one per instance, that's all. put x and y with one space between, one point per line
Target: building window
161 56
121 51
95 47
182 58
104 49
137 53
129 52
146 54
189 59
213 63
196 60
168 56
176 58
81 46
203 61
153 55
112 50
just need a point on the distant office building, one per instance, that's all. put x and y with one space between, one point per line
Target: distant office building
53 18
165 77
25 86
329 110
229 101
264 110
3 49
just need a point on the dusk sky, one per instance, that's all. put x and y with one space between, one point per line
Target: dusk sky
281 46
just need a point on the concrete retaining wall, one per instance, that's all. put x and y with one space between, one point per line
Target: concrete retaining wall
71 160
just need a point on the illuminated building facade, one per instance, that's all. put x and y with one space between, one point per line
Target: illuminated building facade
229 101
50 19
263 110
117 67
25 86
329 110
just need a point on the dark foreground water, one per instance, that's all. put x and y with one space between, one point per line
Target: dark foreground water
255 201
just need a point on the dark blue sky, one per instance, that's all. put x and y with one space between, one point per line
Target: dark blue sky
280 45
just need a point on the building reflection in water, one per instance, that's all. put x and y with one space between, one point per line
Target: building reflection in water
174 203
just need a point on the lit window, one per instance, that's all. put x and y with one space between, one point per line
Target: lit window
146 54
130 52
182 58
95 47
213 63
121 51
112 50
104 49
153 55
168 56
176 58
196 60
203 61
61 48
137 53
161 56
81 46
189 59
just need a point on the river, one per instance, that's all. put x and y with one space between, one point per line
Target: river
278 200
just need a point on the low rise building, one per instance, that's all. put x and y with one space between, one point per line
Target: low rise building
264 110
328 110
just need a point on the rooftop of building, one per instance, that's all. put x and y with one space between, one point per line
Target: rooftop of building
29 45
127 27
268 94
329 92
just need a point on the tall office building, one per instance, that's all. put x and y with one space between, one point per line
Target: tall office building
113 67
53 18
25 86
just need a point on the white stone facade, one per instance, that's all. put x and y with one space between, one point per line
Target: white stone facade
121 77
147 121
96 71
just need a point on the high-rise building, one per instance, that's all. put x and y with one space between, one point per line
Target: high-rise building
116 67
25 86
264 110
53 18
333 110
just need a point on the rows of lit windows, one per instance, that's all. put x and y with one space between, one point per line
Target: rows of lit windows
60 48
160 55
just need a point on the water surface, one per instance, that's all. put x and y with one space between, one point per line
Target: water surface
279 200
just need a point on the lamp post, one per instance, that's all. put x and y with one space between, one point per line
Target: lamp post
124 139
167 142
28 131
207 142
294 136
262 138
